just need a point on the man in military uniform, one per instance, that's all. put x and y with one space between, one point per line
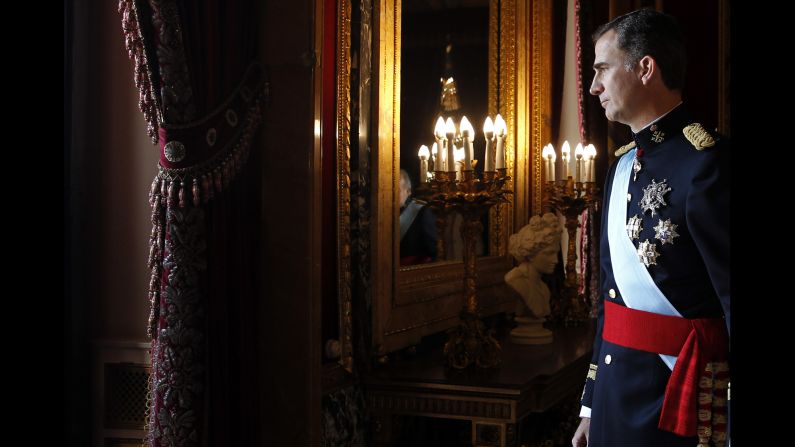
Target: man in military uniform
659 373
417 227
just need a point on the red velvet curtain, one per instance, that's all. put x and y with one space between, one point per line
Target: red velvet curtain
202 95
593 129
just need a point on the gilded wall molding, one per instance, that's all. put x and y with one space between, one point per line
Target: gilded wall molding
504 214
344 182
540 94
386 85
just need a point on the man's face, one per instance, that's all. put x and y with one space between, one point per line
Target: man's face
616 87
403 194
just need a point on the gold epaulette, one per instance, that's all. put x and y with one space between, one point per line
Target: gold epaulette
624 149
698 136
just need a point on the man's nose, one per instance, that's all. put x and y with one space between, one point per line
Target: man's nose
596 87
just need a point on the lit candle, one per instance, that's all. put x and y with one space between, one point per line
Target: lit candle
438 133
468 133
423 154
585 174
547 162
578 163
449 130
553 157
590 153
434 152
500 130
565 155
488 133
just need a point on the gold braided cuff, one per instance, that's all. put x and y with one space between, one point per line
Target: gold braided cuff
592 371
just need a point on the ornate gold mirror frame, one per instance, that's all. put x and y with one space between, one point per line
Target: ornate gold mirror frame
411 302
343 125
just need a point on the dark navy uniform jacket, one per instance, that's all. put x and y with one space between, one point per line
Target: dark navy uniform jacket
419 243
625 387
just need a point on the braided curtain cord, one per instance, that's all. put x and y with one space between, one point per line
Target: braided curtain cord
134 43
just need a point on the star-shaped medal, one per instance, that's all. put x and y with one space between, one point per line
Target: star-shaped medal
665 231
647 252
653 196
634 227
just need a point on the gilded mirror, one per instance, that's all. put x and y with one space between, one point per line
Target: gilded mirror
412 301
444 73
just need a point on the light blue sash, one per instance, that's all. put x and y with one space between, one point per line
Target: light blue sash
407 217
637 287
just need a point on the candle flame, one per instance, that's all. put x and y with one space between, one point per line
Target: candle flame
500 128
546 152
590 151
565 151
439 130
552 154
449 127
488 128
423 152
466 128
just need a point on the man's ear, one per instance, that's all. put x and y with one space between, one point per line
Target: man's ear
647 69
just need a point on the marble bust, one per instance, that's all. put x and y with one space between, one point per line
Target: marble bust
535 247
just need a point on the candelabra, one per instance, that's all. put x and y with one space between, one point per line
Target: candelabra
469 343
571 198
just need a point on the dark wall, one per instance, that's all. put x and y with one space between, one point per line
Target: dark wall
109 163
699 21
289 310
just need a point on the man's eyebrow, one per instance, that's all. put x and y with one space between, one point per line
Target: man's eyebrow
600 65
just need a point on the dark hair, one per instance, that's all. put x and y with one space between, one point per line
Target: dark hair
648 32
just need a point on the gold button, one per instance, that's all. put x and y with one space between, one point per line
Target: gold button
629 197
612 293
608 359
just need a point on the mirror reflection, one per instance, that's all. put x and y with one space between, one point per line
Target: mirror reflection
418 233
444 73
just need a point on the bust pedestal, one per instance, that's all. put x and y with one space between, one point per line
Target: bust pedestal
530 332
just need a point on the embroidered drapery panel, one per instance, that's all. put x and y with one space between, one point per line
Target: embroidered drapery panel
592 128
202 95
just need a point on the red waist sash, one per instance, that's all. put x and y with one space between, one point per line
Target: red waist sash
701 347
